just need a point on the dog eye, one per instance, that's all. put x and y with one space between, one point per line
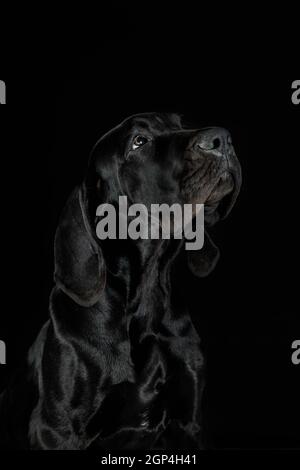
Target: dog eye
138 141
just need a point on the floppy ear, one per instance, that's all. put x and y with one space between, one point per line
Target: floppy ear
79 265
202 262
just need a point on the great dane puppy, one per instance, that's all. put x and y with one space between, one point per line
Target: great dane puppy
118 365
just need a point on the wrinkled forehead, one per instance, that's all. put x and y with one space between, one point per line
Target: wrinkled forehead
153 122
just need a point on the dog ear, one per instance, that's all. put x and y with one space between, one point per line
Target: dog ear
79 265
202 262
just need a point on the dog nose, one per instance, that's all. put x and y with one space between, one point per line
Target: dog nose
214 139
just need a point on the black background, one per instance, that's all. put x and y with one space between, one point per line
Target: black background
65 90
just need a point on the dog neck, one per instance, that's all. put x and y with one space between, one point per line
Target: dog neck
138 268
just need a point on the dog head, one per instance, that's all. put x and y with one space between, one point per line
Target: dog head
151 159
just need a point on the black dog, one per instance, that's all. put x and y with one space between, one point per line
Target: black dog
118 365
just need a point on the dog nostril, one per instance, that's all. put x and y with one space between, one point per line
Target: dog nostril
209 144
216 143
214 139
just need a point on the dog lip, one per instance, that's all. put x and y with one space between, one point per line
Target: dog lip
225 177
